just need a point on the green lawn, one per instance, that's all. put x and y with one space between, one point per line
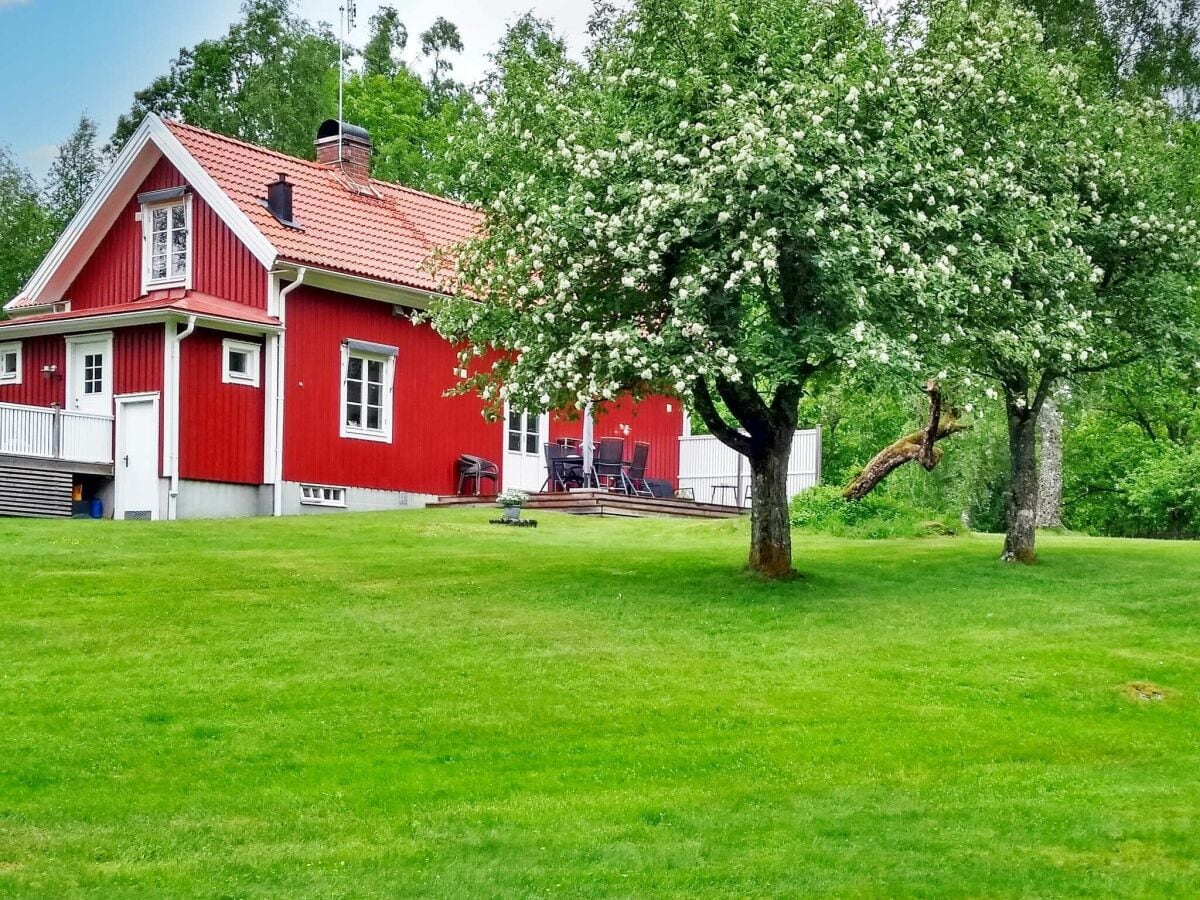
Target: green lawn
420 704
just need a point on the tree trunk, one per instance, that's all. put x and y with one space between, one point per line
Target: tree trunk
1050 472
1023 490
770 522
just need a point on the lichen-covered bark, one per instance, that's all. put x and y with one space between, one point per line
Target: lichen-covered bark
1050 468
919 446
1021 536
770 524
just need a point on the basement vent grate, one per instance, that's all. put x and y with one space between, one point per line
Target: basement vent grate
138 515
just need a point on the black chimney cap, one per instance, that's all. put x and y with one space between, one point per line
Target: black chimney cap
329 129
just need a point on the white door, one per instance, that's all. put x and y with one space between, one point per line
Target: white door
524 457
137 457
89 374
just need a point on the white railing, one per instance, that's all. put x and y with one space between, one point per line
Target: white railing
53 433
705 463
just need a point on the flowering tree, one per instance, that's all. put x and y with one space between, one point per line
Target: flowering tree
1076 245
732 195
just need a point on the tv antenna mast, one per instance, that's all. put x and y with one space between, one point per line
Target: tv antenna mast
348 17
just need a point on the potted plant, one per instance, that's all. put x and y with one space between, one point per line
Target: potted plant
512 501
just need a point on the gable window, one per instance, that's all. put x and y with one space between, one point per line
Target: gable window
10 363
368 371
167 239
241 363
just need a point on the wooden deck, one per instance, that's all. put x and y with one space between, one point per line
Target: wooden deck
604 503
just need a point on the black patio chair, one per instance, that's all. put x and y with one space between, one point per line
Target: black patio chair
562 470
609 464
478 468
637 469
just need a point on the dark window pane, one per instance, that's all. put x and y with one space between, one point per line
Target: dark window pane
177 216
354 392
531 443
514 420
514 441
238 362
375 394
373 418
354 415
375 371
159 219
355 368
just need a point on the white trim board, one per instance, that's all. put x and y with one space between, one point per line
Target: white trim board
152 141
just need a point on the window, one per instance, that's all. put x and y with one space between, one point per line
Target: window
167 236
523 434
322 495
241 363
10 363
367 374
93 373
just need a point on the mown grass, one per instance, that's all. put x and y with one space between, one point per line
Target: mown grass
420 704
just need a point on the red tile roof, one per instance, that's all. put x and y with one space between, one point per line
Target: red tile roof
387 233
175 300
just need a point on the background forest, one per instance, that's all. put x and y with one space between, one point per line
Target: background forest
1125 444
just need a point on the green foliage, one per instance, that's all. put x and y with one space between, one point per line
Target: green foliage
821 510
73 175
27 229
263 82
388 39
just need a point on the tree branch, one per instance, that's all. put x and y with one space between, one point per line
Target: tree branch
918 446
720 429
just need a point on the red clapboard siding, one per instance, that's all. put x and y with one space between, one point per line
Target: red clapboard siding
35 388
430 430
222 266
138 368
657 420
220 425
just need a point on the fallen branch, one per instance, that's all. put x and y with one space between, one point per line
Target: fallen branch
920 446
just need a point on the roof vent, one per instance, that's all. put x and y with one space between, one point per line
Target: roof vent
344 146
279 200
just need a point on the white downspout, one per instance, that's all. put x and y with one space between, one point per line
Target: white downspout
177 338
280 383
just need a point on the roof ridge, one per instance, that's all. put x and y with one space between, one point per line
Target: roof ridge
172 123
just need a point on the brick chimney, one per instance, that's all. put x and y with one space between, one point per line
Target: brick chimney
355 145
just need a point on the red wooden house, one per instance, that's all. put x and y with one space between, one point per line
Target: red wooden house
225 330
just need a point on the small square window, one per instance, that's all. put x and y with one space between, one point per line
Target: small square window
241 365
322 495
10 363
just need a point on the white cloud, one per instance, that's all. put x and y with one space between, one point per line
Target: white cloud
4 4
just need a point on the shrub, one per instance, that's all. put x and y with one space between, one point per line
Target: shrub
821 510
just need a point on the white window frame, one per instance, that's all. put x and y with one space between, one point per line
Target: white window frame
323 495
526 419
15 376
185 280
253 352
383 434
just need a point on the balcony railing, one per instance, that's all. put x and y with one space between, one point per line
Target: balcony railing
54 433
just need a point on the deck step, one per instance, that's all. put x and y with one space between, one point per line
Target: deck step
604 503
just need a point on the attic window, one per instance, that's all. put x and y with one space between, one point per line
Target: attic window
166 240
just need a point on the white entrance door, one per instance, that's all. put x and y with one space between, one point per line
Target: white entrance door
524 457
137 457
89 374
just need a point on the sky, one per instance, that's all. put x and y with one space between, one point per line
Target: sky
60 58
